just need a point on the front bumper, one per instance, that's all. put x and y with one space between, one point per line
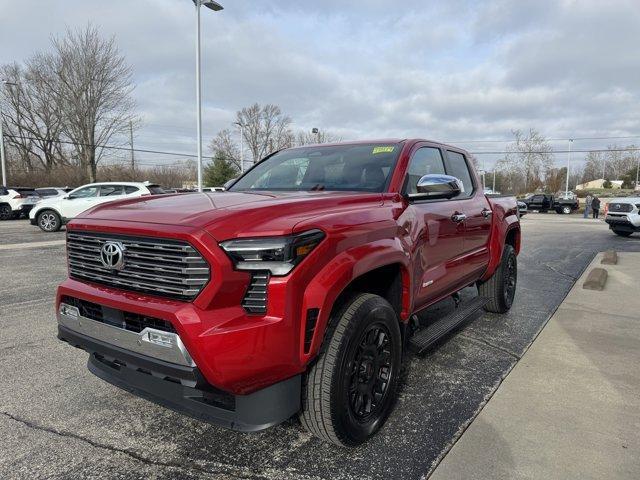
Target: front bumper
621 223
183 388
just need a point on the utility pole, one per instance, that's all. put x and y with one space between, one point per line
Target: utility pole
4 165
133 158
566 190
3 160
241 126
635 187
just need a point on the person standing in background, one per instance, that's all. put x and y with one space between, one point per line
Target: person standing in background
587 205
595 206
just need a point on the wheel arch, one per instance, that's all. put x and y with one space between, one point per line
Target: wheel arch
384 272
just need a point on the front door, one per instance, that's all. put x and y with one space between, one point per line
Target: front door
438 235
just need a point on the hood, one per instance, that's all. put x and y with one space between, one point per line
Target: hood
230 214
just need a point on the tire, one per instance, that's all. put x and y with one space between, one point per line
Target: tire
622 233
350 391
566 210
5 212
500 289
49 221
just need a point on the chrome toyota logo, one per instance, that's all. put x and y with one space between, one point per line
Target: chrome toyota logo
112 255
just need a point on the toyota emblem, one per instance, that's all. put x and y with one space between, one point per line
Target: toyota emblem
112 255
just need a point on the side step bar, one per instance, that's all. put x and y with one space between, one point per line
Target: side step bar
426 337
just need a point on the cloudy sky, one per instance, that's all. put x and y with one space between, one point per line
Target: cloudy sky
452 70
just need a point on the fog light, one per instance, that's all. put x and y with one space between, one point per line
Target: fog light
158 338
69 311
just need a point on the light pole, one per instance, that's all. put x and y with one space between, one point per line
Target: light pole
215 7
316 132
2 157
566 189
241 126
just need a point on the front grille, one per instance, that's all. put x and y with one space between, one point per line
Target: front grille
255 299
168 268
134 322
620 207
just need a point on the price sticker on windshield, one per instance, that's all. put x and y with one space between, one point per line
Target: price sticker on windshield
385 149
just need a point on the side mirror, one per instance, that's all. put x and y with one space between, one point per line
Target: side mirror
228 183
437 186
66 197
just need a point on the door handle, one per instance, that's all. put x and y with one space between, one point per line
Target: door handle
458 217
486 213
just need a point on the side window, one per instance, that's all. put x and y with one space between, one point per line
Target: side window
538 199
111 190
131 189
85 192
457 166
425 161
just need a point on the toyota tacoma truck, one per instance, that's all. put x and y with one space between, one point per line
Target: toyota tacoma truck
294 292
623 216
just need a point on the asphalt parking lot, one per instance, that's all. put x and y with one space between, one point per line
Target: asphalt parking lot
59 421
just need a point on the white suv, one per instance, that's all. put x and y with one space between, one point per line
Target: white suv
623 215
51 214
15 202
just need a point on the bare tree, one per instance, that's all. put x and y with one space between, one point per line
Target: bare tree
95 93
32 114
307 137
266 129
224 146
530 157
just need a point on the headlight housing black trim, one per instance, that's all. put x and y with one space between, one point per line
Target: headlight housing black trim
279 255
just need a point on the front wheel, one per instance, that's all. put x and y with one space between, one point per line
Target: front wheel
49 221
349 392
622 233
500 289
5 212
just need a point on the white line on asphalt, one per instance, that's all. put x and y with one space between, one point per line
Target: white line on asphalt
22 246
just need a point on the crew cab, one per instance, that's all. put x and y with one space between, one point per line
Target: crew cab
16 201
542 202
623 215
52 213
294 292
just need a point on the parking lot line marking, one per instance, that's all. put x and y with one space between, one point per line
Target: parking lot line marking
22 246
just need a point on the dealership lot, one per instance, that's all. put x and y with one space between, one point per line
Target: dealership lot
57 420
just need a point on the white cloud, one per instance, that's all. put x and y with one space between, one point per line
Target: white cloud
443 70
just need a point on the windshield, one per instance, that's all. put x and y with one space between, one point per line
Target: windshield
361 167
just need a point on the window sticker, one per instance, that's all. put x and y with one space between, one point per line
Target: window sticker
385 149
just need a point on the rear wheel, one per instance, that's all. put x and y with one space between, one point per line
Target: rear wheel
5 212
500 289
622 233
49 221
566 210
349 392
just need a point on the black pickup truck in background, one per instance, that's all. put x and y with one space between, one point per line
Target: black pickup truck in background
543 203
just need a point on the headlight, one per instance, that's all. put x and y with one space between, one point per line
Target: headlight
277 254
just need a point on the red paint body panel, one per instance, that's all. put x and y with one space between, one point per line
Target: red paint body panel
241 353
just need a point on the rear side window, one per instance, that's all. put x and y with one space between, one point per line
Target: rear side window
425 161
111 190
457 166
130 189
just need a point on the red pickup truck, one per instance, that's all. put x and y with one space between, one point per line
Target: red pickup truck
295 291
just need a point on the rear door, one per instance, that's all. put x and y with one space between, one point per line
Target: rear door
438 238
475 206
